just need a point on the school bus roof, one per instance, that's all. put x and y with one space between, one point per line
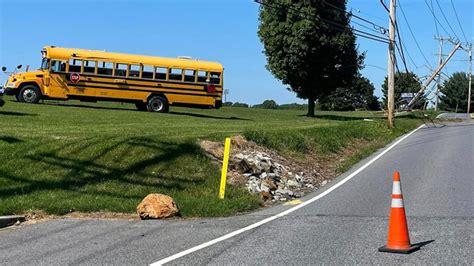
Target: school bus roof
68 53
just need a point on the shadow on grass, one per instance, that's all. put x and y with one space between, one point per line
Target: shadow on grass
10 139
16 114
89 106
342 117
81 173
209 116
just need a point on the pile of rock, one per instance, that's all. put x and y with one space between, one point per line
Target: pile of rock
270 179
265 172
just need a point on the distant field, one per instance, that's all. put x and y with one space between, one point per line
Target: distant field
59 157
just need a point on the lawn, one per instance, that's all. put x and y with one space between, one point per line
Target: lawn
61 157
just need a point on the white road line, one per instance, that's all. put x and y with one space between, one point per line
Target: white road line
281 214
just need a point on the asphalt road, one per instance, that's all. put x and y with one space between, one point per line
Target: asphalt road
346 226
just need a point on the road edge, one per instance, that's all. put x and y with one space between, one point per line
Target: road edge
337 182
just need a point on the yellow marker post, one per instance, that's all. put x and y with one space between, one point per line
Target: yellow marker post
225 162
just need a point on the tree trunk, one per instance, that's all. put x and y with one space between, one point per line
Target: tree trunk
311 107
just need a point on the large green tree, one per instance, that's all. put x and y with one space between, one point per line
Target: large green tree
359 94
405 82
267 104
309 46
455 91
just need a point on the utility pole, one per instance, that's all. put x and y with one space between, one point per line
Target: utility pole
441 40
470 78
440 61
433 76
391 64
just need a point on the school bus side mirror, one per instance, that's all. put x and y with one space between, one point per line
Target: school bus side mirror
19 66
4 69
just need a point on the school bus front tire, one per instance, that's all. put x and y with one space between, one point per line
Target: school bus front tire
29 94
157 103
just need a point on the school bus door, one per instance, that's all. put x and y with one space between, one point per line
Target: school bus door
55 80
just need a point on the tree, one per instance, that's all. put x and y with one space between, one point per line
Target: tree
455 91
304 48
358 95
267 104
227 104
405 82
237 104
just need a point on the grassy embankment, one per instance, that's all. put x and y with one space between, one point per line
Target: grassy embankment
107 157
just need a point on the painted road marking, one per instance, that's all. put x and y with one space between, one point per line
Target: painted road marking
281 214
293 202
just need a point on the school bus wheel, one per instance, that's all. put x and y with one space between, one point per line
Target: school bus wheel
29 94
157 104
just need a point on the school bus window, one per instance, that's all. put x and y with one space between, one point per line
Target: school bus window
58 66
215 77
45 63
134 71
105 68
189 75
147 72
175 74
202 76
160 73
89 66
120 70
75 65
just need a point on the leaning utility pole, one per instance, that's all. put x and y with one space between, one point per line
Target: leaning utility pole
391 64
433 76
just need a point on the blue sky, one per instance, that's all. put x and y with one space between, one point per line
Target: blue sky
218 30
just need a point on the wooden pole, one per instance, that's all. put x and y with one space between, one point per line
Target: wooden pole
391 63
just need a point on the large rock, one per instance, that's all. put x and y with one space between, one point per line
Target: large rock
157 206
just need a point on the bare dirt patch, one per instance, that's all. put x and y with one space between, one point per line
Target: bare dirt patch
38 216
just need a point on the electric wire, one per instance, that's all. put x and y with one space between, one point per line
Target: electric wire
459 23
435 17
412 34
445 19
380 28
333 25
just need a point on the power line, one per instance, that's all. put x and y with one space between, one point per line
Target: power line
400 47
364 26
459 23
444 16
380 28
434 19
434 16
412 34
333 24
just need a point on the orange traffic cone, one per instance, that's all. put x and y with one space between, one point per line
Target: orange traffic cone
398 238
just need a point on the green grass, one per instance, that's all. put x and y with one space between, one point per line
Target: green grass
60 157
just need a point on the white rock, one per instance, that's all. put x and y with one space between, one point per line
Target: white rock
324 183
264 187
293 183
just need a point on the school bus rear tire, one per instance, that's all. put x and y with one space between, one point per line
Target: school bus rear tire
29 94
157 104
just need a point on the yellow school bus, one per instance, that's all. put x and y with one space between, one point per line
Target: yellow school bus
152 83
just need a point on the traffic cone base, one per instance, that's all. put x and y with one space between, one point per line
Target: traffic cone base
400 251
